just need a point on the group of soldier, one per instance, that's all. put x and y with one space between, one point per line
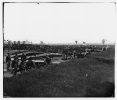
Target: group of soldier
15 63
25 65
74 54
22 65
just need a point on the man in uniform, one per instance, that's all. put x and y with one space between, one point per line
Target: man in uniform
47 60
23 62
15 64
23 57
16 58
8 60
30 64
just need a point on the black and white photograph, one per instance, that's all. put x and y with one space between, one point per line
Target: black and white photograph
58 48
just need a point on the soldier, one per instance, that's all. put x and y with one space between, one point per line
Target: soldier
16 58
74 54
15 64
23 62
30 64
47 60
23 57
8 60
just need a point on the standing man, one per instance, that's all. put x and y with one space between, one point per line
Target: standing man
15 64
74 54
8 60
23 57
47 60
23 62
16 59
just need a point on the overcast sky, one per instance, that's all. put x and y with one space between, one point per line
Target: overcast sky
59 22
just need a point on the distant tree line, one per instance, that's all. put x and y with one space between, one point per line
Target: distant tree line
44 48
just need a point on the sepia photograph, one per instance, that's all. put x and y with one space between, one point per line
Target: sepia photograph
58 49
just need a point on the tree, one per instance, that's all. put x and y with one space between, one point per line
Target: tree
76 42
31 42
9 44
27 42
84 43
5 42
103 41
18 43
41 42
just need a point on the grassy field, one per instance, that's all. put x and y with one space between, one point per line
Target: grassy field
86 77
104 56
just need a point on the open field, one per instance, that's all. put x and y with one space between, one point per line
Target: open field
88 77
105 56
